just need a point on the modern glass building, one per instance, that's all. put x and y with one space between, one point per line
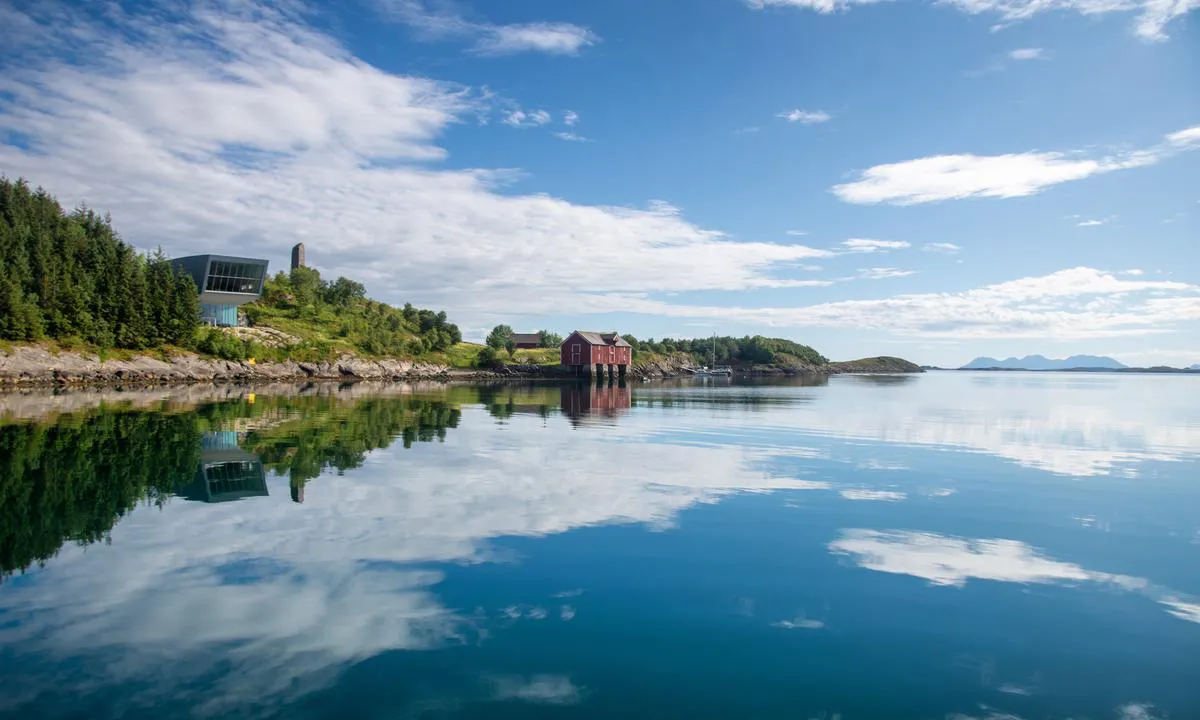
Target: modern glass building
224 283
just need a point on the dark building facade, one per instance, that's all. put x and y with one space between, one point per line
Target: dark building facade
526 341
297 255
224 283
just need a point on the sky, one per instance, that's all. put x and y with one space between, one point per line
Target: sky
933 180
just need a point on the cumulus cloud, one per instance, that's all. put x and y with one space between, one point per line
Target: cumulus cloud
1078 302
952 177
806 117
570 117
244 130
1150 24
555 38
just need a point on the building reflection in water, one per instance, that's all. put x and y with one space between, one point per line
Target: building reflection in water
226 471
603 402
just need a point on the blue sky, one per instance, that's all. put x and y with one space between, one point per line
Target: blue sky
930 180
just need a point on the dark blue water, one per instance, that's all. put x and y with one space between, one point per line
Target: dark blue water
953 545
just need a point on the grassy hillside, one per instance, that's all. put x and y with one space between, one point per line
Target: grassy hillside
320 320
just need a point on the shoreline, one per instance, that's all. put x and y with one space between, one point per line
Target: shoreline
33 367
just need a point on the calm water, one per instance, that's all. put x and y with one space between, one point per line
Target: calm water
946 546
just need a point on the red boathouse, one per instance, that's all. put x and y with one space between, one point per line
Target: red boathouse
585 350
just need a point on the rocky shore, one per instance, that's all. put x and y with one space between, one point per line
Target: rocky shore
35 366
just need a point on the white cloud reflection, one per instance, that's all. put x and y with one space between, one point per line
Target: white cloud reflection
286 595
289 594
1068 425
952 561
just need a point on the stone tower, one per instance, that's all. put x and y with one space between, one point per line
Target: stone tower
297 255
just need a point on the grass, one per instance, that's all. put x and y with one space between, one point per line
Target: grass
464 356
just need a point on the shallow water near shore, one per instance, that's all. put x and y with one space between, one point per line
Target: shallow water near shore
945 545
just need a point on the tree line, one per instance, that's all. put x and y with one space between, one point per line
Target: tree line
74 478
70 276
748 350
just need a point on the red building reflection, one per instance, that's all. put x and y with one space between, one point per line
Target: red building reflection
583 403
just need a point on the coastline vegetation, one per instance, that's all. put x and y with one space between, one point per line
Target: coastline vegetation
69 281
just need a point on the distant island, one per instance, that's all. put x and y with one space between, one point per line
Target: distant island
1041 362
1074 363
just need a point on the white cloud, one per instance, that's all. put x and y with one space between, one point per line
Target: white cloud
570 117
1189 611
1027 54
884 495
951 561
796 233
571 137
866 245
805 117
799 623
521 119
1151 23
950 177
822 6
1134 272
247 130
1076 303
349 565
1190 136
539 689
553 38
944 248
883 273
883 465
1136 711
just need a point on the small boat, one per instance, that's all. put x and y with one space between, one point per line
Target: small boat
716 370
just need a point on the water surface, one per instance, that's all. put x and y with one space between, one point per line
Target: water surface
974 545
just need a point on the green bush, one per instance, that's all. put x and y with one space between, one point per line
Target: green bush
487 357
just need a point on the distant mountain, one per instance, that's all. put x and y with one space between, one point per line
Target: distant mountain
1040 362
1195 367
